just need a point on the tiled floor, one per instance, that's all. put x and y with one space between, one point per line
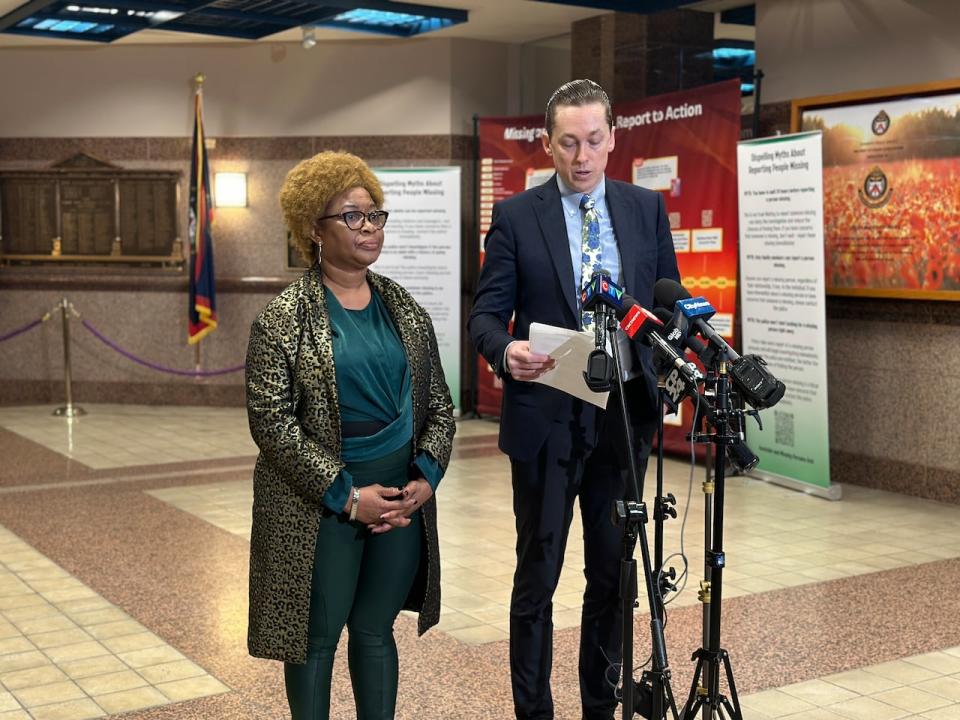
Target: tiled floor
112 436
919 686
777 539
123 543
65 652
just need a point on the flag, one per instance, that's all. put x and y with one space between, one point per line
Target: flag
202 308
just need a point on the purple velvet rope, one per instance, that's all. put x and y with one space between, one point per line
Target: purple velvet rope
154 366
13 333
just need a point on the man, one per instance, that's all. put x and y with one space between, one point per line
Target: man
542 247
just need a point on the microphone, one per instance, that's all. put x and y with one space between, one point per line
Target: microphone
601 290
672 295
677 331
599 296
638 323
750 374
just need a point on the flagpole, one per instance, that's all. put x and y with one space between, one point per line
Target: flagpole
198 87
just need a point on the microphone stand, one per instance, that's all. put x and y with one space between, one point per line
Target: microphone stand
710 656
659 682
664 506
703 595
653 694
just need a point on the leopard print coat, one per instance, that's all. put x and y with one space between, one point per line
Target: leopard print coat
293 410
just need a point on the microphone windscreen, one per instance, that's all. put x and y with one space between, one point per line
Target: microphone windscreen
666 292
639 322
628 302
691 342
663 315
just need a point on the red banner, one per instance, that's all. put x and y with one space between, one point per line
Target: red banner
683 145
511 160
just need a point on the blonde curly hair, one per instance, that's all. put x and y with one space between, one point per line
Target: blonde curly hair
312 183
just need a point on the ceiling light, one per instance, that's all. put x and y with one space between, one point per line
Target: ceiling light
402 24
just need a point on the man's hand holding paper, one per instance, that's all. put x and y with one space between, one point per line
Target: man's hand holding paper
524 364
569 350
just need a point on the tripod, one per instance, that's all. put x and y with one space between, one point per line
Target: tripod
651 697
711 656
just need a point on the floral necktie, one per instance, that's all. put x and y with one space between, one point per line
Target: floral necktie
590 257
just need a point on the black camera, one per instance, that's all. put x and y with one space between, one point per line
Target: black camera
756 384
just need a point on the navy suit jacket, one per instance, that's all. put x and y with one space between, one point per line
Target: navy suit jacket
527 274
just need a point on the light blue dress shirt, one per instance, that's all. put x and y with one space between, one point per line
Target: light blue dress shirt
573 215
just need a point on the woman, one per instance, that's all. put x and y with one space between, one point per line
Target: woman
349 407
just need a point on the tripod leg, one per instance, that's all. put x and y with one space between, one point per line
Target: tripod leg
673 703
628 570
694 700
734 715
735 712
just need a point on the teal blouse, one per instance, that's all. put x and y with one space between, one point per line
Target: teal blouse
373 383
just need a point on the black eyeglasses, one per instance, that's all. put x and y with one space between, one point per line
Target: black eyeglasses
353 219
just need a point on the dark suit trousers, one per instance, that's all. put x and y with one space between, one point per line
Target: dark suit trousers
578 459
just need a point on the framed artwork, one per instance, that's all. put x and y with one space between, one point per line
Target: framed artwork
891 189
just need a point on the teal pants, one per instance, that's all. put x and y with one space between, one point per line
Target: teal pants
359 581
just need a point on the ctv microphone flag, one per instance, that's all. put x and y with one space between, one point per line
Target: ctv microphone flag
202 310
601 289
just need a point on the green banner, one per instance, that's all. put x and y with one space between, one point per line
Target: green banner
783 309
421 251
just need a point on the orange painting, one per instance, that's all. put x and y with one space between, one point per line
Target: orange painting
891 193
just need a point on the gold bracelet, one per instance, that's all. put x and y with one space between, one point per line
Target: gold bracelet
355 505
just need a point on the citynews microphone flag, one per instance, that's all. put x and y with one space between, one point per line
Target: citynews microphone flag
202 310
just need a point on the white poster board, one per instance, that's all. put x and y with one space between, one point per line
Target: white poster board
421 250
782 296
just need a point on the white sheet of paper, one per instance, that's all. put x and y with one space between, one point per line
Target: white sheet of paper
570 349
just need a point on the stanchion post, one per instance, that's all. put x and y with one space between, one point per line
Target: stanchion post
69 410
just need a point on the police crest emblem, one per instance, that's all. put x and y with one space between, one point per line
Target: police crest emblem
880 123
876 189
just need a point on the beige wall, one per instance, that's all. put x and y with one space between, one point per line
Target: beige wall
393 87
473 65
821 47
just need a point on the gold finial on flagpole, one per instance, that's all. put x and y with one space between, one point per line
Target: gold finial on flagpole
198 79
